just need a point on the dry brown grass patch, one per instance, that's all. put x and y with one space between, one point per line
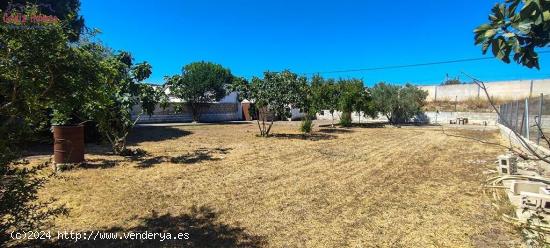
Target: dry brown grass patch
369 187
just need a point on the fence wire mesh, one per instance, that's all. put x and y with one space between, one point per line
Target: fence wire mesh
530 117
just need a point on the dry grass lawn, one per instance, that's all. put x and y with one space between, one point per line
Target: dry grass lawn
358 187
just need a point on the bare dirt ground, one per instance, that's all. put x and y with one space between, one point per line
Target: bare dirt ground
357 187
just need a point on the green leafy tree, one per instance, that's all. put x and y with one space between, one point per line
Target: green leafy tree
274 96
65 10
351 91
326 94
364 105
399 104
36 67
518 27
241 86
122 94
200 84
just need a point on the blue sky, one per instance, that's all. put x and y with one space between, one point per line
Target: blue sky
252 36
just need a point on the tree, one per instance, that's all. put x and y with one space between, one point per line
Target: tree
274 96
351 91
307 104
399 104
518 27
123 92
65 10
36 67
326 95
364 104
241 86
201 83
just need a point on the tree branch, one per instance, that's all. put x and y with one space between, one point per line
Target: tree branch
523 142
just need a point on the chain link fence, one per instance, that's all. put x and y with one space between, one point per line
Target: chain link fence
530 117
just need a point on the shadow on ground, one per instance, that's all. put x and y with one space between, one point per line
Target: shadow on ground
197 156
358 125
99 164
370 125
312 137
335 130
155 133
201 225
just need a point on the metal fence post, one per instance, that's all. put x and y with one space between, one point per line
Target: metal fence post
510 117
539 122
517 116
527 118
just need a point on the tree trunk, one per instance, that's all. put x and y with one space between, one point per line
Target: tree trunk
269 129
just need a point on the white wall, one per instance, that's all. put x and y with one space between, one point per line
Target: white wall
428 117
504 89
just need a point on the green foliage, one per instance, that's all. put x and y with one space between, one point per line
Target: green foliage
65 10
275 95
201 83
306 126
345 119
364 104
122 92
518 27
325 94
451 82
398 103
241 86
38 67
350 93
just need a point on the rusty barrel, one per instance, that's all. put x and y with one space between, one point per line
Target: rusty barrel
68 144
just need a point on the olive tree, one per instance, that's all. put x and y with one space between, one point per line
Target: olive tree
398 103
274 96
518 27
201 83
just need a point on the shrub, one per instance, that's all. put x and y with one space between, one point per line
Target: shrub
346 120
307 125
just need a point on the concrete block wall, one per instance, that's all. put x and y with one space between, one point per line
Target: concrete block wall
517 89
473 117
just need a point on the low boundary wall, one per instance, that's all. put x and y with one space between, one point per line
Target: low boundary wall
216 112
507 134
427 117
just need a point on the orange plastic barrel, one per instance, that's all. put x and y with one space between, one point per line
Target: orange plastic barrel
68 144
